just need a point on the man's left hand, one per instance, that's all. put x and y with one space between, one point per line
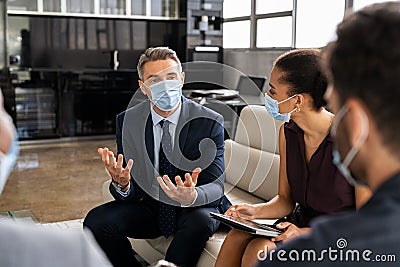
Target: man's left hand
182 192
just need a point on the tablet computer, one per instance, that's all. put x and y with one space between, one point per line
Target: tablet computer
248 226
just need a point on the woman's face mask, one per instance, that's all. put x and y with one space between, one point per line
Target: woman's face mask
272 107
7 162
166 94
343 166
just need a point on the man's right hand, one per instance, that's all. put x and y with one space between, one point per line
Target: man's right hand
118 174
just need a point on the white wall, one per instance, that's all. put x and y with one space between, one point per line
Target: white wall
251 62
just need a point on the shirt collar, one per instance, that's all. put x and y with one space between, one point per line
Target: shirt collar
173 118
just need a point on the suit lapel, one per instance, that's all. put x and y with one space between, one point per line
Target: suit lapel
148 153
181 132
149 138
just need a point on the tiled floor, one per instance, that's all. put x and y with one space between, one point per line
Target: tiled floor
58 181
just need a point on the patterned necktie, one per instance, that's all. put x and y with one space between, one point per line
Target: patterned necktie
167 213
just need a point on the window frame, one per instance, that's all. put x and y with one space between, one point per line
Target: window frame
253 17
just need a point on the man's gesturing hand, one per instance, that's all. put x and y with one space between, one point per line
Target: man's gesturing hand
183 192
118 174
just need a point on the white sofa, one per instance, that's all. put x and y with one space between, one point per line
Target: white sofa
251 168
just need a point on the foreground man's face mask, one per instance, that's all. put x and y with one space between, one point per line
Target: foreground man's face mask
7 162
343 166
166 94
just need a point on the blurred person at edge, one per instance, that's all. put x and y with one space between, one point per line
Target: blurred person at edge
27 245
310 185
363 67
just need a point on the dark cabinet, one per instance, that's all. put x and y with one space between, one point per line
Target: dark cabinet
36 112
33 101
90 101
47 103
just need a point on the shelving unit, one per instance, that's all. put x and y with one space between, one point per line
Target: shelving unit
36 112
134 9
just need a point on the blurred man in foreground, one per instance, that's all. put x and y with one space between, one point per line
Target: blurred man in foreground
363 66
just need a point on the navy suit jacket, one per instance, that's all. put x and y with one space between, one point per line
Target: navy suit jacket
134 137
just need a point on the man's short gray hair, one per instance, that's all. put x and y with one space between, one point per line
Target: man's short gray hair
154 54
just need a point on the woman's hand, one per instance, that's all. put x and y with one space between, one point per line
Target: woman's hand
291 231
244 211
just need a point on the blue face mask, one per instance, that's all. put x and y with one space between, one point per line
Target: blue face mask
166 94
272 107
7 162
343 166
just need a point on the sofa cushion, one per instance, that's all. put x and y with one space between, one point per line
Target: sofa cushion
257 129
251 169
237 196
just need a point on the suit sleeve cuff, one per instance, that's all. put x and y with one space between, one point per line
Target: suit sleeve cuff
118 189
186 206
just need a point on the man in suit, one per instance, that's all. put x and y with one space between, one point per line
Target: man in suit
363 66
174 173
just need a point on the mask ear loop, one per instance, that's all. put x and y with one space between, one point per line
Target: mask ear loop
146 86
339 116
298 109
287 100
363 136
